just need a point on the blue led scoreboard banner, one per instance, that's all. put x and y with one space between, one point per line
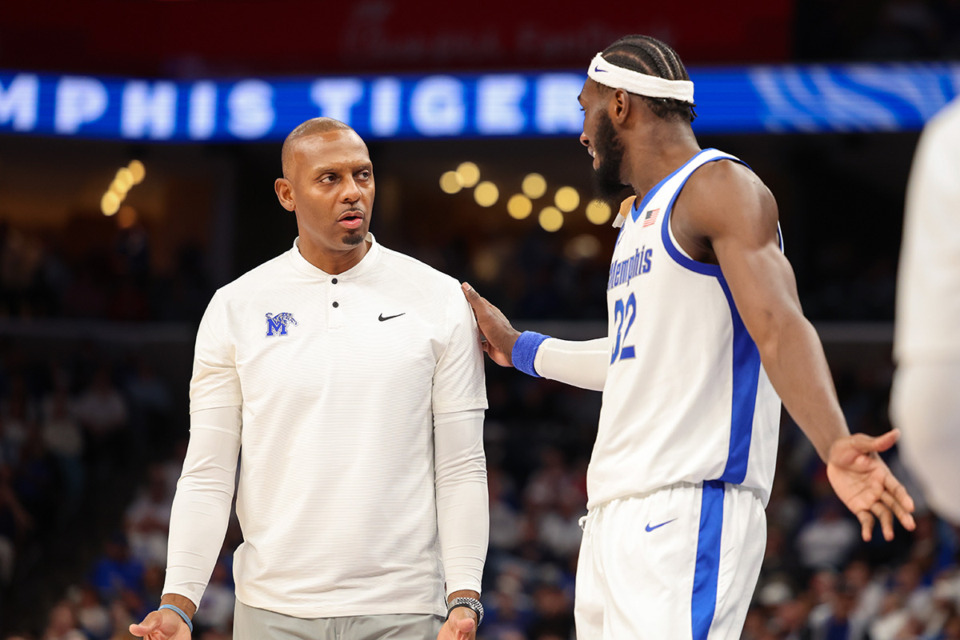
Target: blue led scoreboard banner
776 99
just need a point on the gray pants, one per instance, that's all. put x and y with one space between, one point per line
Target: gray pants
250 623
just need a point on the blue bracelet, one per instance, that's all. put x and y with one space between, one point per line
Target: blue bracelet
179 612
525 351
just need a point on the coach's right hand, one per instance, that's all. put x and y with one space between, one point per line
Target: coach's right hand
497 334
162 624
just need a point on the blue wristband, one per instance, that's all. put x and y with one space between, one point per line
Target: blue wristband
179 612
525 351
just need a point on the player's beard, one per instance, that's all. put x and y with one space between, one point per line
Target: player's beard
607 146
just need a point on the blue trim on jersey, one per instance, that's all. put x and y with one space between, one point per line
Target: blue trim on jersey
673 251
746 378
638 207
525 351
703 603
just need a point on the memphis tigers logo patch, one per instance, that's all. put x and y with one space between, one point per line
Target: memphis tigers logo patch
277 324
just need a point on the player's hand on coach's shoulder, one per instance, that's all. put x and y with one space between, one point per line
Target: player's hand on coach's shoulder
162 624
865 484
497 334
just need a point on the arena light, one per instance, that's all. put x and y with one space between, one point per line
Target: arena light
124 179
450 182
109 203
469 174
137 171
519 206
551 219
121 184
486 194
598 211
534 186
567 199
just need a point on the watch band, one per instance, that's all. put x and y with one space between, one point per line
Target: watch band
469 603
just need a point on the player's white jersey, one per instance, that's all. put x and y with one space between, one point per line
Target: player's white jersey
686 398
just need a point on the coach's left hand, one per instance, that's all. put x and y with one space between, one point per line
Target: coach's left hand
461 625
863 481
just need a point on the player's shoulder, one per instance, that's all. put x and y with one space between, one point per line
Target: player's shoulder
729 185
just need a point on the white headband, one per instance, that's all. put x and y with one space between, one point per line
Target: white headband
641 84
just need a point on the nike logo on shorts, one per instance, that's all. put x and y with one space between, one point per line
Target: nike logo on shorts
657 526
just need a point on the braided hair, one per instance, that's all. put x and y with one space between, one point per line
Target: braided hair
653 58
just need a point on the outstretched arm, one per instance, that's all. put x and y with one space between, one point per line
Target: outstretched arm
735 217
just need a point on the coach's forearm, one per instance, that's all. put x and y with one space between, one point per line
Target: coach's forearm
183 603
463 516
201 506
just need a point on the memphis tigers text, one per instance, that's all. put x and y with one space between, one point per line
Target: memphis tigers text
623 271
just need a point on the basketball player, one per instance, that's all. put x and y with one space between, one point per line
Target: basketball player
924 399
349 379
705 330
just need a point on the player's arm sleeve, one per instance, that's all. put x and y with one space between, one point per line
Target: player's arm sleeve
201 506
463 517
459 400
580 363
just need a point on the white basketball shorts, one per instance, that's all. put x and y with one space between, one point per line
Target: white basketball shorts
679 563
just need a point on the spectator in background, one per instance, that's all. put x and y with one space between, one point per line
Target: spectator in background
147 519
924 400
62 624
63 438
102 412
15 523
116 571
93 617
827 540
17 416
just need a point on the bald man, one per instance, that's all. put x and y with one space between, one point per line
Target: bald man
346 380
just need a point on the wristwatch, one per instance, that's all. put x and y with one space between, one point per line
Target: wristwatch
469 603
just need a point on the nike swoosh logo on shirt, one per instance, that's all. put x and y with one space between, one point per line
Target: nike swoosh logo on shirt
657 526
383 317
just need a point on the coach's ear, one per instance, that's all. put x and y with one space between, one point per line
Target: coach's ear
285 194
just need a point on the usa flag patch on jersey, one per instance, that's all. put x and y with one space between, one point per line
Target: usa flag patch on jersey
650 217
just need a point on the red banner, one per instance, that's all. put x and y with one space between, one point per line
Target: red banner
191 38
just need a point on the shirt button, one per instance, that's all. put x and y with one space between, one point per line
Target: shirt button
336 304
334 281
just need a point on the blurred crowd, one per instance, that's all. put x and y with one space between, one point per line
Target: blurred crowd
90 455
40 277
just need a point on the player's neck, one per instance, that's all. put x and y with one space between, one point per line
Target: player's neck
654 156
